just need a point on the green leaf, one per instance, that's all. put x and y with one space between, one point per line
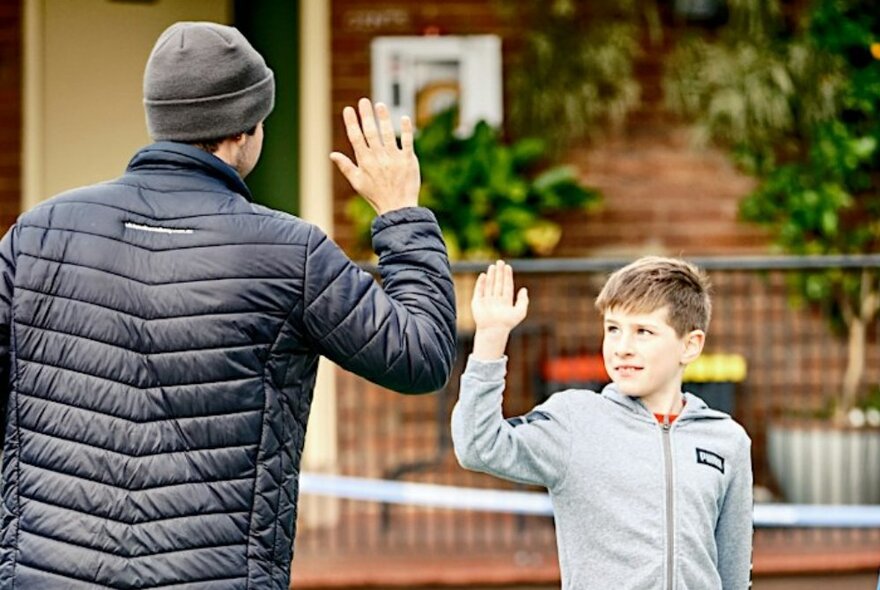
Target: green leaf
528 150
549 179
484 195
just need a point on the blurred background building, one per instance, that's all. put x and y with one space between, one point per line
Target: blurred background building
589 152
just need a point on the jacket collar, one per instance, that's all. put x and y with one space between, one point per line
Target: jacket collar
174 155
694 407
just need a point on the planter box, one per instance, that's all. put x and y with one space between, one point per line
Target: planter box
816 463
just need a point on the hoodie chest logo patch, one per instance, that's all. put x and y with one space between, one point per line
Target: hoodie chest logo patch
711 459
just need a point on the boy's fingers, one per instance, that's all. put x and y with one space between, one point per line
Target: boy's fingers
498 287
522 299
368 123
491 279
480 286
507 292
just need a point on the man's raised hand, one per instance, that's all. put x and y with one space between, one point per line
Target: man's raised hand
385 175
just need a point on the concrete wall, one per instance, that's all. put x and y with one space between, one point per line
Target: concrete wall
84 67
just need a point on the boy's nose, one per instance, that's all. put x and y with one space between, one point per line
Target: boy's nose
624 346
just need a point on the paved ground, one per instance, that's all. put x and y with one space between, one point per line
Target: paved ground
847 582
854 582
783 560
457 572
850 582
416 552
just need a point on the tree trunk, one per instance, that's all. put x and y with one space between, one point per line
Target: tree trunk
855 367
857 324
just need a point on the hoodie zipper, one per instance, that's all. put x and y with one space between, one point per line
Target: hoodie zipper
670 502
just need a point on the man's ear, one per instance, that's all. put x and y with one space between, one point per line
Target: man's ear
693 346
240 139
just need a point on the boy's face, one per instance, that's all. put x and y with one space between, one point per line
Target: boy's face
645 357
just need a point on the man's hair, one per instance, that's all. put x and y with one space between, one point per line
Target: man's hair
212 145
653 282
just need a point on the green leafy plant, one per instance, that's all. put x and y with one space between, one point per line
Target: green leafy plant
490 198
798 104
574 74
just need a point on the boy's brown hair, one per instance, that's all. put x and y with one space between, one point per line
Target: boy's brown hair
653 282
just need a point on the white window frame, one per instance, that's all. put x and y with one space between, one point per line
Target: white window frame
394 62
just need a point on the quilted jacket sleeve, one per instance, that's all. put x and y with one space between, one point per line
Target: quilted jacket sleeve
7 280
400 335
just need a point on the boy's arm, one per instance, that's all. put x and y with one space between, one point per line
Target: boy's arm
733 533
529 449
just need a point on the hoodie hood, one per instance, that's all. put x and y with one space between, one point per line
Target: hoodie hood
694 407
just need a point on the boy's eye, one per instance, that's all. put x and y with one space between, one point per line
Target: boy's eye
645 331
611 329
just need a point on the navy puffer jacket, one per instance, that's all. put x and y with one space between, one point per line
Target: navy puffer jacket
160 336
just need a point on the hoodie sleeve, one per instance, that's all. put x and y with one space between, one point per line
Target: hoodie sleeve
400 335
733 533
532 449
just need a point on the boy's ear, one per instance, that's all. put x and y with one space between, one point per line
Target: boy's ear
693 346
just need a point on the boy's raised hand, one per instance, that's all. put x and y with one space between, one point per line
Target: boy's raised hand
495 311
385 175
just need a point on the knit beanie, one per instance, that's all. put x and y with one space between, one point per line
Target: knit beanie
205 81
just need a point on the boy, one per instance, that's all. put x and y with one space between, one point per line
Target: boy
651 489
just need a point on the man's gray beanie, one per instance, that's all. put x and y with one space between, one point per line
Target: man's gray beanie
205 81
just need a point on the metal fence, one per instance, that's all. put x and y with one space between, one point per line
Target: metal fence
776 366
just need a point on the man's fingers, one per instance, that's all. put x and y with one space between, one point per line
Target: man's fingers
346 166
368 123
406 135
353 131
385 126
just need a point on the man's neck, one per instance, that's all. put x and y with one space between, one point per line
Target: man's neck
227 151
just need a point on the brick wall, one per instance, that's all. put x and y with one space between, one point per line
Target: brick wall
10 112
661 194
354 24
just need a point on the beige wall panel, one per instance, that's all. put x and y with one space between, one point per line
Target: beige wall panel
94 53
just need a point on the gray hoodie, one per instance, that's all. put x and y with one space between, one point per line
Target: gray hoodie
638 506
